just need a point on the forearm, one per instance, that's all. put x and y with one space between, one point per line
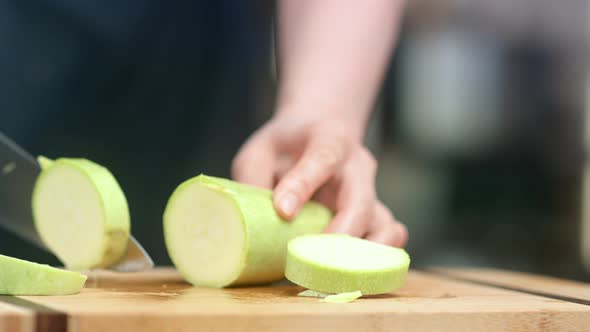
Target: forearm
332 56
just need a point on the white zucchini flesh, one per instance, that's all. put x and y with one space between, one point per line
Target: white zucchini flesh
222 233
206 236
80 213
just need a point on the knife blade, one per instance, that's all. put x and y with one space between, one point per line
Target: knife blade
18 173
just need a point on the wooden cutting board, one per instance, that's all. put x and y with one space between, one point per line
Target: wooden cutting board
433 300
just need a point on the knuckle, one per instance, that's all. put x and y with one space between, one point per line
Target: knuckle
299 185
366 212
327 157
387 233
386 212
368 159
369 201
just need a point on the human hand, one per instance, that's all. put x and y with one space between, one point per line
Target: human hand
305 157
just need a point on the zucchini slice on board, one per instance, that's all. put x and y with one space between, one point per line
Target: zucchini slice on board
338 263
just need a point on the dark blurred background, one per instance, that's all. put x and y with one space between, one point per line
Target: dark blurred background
480 129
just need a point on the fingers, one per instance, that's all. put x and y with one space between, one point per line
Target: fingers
360 213
385 229
356 205
283 165
254 163
320 161
327 167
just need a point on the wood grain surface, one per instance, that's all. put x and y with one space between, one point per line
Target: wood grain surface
159 300
13 318
572 291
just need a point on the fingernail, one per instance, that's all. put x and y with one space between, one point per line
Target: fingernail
289 203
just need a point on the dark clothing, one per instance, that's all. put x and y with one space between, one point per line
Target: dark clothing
157 91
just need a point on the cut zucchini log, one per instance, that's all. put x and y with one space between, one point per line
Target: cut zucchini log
80 213
20 277
338 263
220 233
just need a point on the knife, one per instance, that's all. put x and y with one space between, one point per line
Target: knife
18 173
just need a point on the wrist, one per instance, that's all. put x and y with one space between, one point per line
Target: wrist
349 122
